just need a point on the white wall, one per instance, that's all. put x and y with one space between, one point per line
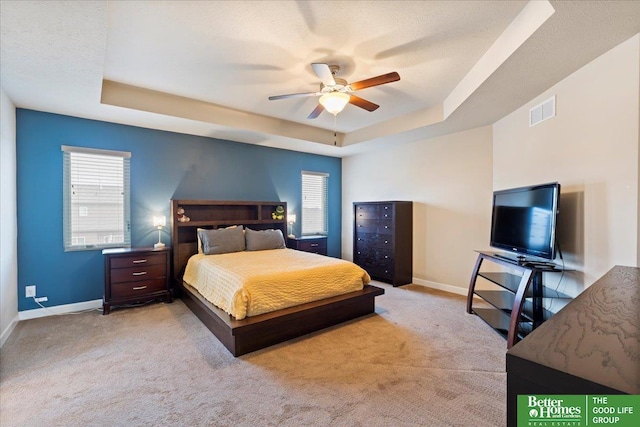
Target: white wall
591 148
8 219
449 179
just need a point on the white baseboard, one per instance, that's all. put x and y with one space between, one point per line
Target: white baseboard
8 330
441 286
59 309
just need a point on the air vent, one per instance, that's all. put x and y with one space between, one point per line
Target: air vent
542 112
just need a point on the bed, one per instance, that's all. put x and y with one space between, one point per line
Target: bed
259 329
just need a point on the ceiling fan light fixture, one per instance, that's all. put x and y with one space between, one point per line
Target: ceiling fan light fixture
334 102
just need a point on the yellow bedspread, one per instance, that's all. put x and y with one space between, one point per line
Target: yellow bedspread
255 282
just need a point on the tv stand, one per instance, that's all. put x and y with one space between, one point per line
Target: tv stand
521 259
518 258
513 306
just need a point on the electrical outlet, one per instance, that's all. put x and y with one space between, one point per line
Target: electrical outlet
42 299
30 291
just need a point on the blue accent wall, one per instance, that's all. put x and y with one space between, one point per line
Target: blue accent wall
164 166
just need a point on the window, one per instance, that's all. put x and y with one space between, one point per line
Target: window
96 211
314 203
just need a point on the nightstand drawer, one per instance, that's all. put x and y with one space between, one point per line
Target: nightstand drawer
317 246
313 244
147 272
138 260
142 288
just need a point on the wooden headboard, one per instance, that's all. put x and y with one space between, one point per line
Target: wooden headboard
215 214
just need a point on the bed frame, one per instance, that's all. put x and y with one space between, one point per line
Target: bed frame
255 332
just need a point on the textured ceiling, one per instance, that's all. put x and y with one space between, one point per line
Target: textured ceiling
207 68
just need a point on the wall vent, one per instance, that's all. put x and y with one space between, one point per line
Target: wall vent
543 111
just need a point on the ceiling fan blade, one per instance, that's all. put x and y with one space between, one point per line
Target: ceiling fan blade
324 73
363 103
293 95
316 112
375 81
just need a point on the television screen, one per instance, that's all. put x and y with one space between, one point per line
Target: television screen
524 220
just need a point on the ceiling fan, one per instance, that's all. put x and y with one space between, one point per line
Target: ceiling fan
335 93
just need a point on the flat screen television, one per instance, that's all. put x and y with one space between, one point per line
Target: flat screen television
524 220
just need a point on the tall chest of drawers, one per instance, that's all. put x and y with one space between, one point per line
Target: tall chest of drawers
133 275
383 240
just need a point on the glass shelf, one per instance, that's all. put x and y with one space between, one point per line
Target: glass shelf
499 321
501 296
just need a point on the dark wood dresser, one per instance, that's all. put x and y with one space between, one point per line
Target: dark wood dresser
383 240
313 244
591 346
133 275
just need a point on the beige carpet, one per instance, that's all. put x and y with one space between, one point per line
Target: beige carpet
421 360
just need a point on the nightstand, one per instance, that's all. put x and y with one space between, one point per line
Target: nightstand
133 275
313 244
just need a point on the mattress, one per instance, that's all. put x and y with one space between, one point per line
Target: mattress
249 283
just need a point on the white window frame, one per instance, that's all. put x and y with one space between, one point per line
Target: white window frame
108 170
315 203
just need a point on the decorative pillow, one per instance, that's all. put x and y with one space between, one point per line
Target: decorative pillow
199 239
264 239
198 230
222 240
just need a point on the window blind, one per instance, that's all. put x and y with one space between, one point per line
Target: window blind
96 191
315 203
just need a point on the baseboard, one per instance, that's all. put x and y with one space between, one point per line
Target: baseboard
59 309
441 286
7 332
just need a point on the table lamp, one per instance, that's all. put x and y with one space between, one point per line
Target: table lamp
291 218
159 221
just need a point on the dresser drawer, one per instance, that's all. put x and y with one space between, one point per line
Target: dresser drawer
138 260
141 288
373 256
375 211
385 226
381 272
366 212
366 226
378 271
363 240
130 274
378 226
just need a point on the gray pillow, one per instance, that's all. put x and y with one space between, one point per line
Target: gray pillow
264 239
222 240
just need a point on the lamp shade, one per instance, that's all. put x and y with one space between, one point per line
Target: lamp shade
159 221
291 218
334 102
